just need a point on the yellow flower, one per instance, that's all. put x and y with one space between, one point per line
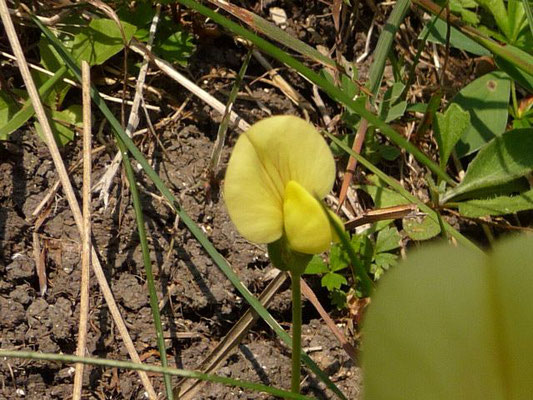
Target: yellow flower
276 171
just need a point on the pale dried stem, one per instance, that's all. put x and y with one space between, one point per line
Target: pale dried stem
104 185
86 237
68 189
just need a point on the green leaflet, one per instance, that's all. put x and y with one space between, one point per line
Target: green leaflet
499 205
502 161
487 101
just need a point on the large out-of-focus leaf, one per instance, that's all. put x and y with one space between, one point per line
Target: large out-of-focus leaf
502 161
449 127
487 101
452 324
499 205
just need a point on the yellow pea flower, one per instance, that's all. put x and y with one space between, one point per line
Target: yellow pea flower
277 170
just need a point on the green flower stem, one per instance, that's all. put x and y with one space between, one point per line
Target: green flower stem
296 331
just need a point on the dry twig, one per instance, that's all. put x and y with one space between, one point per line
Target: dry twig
86 236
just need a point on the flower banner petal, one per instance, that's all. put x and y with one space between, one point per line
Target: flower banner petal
292 149
252 199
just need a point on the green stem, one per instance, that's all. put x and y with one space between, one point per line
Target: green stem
296 332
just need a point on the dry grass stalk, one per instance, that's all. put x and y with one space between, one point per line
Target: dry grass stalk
86 237
67 187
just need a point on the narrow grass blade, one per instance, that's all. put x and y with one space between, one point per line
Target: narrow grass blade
102 362
323 83
26 112
154 303
273 32
223 127
386 38
184 217
402 191
529 13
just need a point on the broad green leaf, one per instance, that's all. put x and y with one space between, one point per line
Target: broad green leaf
502 161
58 119
316 266
333 281
449 323
457 38
423 229
500 205
338 259
389 153
487 101
382 263
390 108
388 239
449 127
100 40
177 47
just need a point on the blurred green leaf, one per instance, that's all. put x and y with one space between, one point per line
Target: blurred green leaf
457 39
8 107
390 108
487 101
316 266
449 128
100 40
382 263
449 323
338 258
178 47
421 229
389 153
503 160
499 205
333 281
521 77
387 239
63 134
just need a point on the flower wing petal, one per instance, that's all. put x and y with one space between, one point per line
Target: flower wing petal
252 199
306 225
292 149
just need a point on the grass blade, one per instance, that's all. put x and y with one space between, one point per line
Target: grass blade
26 112
273 32
154 303
184 217
102 362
